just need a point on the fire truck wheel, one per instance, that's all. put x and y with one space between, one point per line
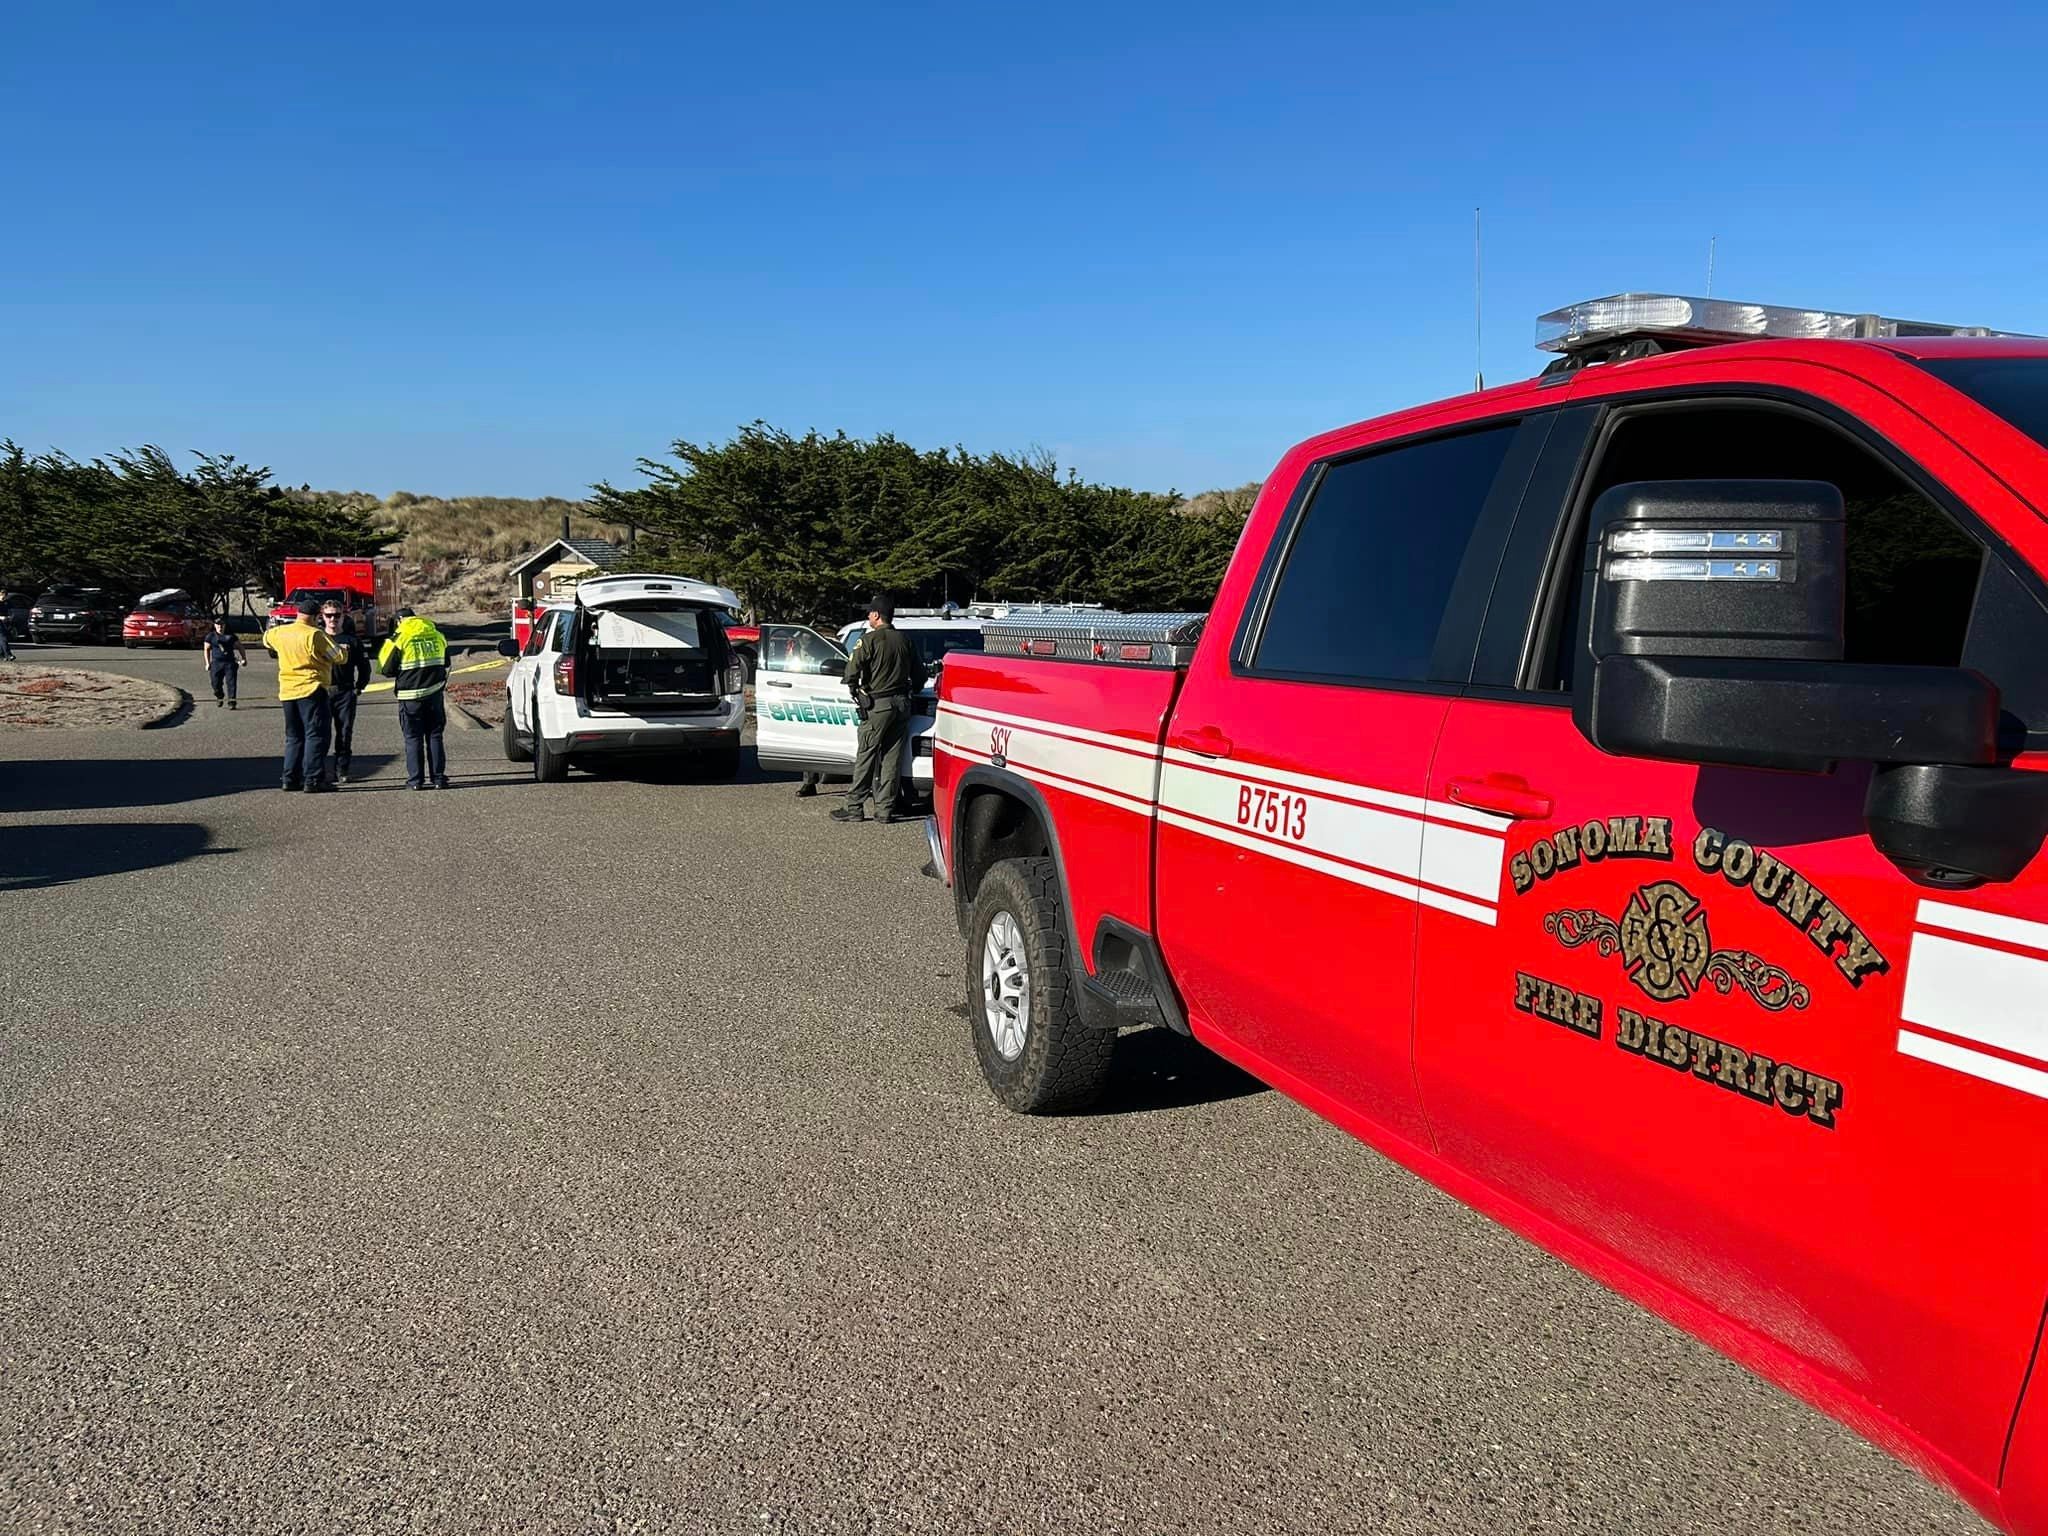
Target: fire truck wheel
550 765
516 751
1028 1036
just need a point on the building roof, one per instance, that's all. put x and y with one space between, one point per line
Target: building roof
596 551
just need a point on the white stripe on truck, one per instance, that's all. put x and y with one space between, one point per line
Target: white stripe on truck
1443 855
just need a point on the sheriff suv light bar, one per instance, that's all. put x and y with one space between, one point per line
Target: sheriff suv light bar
1663 320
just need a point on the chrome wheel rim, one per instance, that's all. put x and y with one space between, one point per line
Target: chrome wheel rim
1006 987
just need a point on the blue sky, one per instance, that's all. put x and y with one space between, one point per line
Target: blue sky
509 249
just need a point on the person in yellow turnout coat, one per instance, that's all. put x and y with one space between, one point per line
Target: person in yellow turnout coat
305 666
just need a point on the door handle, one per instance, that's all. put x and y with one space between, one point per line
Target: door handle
1203 741
776 682
1508 794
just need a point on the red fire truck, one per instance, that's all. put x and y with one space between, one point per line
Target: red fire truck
1618 797
366 588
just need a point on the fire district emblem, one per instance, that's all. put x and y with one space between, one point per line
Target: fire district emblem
1666 950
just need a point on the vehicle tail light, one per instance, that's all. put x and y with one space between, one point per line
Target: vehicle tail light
734 680
565 675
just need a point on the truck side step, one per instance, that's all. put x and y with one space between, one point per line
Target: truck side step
1128 989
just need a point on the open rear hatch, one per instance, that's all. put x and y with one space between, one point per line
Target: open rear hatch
656 656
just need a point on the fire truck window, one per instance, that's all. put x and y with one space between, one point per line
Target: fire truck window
1912 572
1367 580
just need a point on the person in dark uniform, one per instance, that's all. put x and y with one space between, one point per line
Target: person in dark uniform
351 677
225 659
885 675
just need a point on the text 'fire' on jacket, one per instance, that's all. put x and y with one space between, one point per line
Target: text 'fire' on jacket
417 656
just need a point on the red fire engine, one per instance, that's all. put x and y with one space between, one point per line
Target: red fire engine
1619 797
367 589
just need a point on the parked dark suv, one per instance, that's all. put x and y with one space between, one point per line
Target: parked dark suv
87 615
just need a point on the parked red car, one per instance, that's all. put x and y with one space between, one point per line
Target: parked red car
165 618
1620 797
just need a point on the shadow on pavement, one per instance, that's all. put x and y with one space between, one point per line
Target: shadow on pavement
459 783
477 632
177 716
682 769
85 784
1158 1069
35 857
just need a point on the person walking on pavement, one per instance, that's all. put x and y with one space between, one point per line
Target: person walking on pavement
305 666
225 659
885 675
351 677
417 656
6 639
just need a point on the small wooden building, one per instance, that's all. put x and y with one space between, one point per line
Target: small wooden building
553 570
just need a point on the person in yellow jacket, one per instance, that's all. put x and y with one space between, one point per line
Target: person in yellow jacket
416 655
305 666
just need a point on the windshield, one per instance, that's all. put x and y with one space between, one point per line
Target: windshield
934 645
660 624
2015 388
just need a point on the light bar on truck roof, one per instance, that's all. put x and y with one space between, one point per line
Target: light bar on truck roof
1670 317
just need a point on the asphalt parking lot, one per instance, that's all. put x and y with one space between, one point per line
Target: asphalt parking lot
608 1156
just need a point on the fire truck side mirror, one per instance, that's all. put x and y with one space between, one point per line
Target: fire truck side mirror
1716 635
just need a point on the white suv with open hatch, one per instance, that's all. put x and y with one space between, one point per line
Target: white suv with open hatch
630 666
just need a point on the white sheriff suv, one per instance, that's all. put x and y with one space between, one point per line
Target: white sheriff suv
803 713
630 666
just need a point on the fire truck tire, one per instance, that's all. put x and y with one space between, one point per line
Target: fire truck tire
1021 1009
516 751
550 765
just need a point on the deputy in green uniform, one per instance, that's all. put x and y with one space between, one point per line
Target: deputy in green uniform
885 675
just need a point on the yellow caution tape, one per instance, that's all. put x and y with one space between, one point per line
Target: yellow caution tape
481 666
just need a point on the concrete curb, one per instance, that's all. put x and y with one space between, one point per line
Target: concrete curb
181 706
468 721
174 704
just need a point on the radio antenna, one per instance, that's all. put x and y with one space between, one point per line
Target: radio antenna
1478 328
1711 239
